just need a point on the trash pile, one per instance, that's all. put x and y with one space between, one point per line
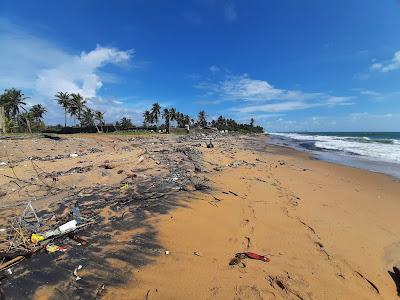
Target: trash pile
28 234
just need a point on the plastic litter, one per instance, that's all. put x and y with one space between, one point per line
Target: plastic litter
73 155
36 238
51 248
67 227
124 186
76 273
240 256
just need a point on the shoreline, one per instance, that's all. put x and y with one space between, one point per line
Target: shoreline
338 157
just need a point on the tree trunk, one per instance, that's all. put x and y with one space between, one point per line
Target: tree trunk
65 115
28 124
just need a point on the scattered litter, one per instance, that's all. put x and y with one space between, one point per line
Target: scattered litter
36 238
140 159
167 252
3 163
124 186
73 155
51 248
76 215
197 253
67 227
237 260
76 273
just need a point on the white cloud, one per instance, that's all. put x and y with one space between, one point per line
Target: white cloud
334 100
393 64
78 74
40 68
259 96
244 88
275 107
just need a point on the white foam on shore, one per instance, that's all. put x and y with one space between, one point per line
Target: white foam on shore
388 151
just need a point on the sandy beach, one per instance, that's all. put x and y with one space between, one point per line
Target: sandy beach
330 231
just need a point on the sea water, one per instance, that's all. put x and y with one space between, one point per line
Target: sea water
374 151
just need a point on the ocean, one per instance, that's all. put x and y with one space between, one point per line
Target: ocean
374 151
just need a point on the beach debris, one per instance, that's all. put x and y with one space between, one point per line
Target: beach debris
51 248
76 273
167 252
3 163
197 253
395 274
76 215
234 194
124 186
210 145
237 260
36 238
72 155
141 158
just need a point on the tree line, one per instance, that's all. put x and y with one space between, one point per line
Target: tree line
18 118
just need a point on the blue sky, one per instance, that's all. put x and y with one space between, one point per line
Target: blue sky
292 65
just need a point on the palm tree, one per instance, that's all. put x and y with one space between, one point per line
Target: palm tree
64 100
99 116
202 118
87 117
167 118
125 123
172 114
38 111
73 111
79 103
155 112
147 118
13 102
252 122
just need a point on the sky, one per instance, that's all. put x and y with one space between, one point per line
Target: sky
291 65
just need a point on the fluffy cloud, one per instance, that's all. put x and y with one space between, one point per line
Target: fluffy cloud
40 68
393 64
79 74
259 96
245 88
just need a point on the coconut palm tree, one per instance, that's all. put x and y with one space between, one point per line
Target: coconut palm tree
64 99
87 117
155 112
202 119
125 123
38 110
13 102
147 118
167 117
99 117
79 103
73 111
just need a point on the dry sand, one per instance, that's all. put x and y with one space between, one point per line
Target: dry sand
330 231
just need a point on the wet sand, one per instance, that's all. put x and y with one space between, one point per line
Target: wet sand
330 231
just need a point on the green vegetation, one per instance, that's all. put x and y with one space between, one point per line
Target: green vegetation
19 119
